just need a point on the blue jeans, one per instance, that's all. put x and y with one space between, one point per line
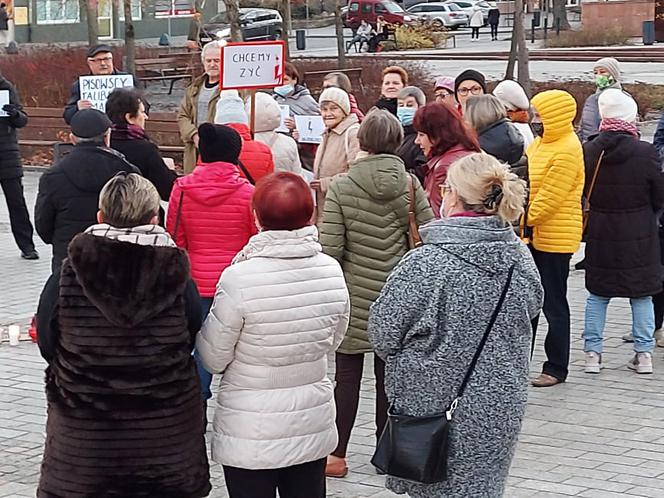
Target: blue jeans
204 376
643 323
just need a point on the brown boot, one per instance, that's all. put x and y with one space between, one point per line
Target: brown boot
336 467
545 380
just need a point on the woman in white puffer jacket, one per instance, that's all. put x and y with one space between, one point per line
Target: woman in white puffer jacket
280 309
284 148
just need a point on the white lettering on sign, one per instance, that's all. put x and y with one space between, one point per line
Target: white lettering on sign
96 89
310 128
252 65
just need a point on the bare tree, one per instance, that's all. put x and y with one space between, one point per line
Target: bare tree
233 17
560 12
519 50
285 11
91 11
130 38
339 30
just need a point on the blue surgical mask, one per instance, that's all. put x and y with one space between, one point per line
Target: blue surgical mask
406 115
284 90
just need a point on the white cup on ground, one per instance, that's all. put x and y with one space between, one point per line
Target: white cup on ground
14 335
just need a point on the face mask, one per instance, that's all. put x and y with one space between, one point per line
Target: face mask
538 129
284 90
406 115
604 81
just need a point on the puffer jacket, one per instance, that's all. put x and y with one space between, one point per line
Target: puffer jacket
503 141
10 155
590 118
280 309
216 220
556 174
365 227
283 147
255 156
435 174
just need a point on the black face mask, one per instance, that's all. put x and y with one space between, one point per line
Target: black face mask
538 129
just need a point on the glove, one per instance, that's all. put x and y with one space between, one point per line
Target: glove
11 109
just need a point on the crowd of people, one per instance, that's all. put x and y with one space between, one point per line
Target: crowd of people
396 237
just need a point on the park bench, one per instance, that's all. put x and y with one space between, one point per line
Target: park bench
314 79
171 68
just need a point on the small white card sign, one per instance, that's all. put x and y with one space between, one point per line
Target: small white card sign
310 128
252 65
4 100
96 89
285 112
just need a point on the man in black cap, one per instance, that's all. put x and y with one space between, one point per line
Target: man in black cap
100 62
68 198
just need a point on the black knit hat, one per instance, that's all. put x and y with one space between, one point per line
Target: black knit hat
472 75
219 143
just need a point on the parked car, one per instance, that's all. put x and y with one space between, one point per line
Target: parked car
256 24
468 6
448 15
369 10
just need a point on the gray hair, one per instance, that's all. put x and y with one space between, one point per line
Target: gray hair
128 200
98 140
416 93
340 80
483 110
380 132
216 44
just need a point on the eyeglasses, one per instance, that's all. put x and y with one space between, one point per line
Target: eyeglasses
443 95
444 189
475 90
103 59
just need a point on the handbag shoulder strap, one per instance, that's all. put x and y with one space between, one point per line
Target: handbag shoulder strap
478 352
592 182
245 172
411 195
178 215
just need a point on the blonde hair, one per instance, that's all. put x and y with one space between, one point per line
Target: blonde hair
483 110
128 200
487 186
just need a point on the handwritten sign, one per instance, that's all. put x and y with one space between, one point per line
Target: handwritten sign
285 112
310 128
96 89
4 100
252 65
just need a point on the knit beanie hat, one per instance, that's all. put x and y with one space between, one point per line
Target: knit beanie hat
611 65
444 82
219 143
337 96
616 104
512 96
472 75
230 108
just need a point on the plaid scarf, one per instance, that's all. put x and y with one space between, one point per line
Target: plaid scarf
620 126
129 132
143 235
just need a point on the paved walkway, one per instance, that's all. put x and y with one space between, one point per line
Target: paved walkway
595 436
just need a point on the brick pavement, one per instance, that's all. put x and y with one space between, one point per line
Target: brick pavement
595 436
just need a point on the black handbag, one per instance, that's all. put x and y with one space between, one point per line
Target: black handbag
416 448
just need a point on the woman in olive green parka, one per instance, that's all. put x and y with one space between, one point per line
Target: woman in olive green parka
365 227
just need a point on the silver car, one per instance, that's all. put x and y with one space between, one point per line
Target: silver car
446 15
468 6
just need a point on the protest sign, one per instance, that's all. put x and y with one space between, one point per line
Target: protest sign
4 100
310 128
96 89
285 112
252 65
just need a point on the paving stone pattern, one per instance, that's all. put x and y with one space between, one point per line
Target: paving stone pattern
595 436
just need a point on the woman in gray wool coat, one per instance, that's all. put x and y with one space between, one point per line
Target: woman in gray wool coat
432 313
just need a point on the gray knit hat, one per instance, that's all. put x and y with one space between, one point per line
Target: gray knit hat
611 65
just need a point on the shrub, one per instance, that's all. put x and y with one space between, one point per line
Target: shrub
413 37
590 37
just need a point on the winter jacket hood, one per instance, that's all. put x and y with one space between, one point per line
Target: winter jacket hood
282 244
268 113
464 230
212 184
88 175
381 176
557 110
503 141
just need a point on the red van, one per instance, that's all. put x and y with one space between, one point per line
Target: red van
369 10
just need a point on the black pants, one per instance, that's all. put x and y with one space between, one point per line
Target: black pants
494 31
475 33
18 213
348 378
375 40
306 480
554 270
658 303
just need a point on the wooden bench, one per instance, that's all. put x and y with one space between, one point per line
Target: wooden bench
314 79
172 68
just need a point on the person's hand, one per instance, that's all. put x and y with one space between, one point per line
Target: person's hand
195 140
170 164
11 109
290 123
315 185
83 104
296 135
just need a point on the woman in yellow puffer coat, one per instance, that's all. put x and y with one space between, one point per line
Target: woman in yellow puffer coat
553 221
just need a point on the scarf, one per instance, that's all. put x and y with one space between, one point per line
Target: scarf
518 116
143 235
619 125
129 132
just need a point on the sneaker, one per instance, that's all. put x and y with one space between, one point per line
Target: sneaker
30 255
593 362
641 363
628 337
659 338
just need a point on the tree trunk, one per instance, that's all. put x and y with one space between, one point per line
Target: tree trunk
285 11
130 39
511 61
90 9
559 11
233 16
522 59
339 30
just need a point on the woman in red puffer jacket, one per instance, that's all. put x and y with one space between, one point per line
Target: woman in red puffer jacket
210 214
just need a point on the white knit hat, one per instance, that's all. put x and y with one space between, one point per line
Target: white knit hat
512 96
230 108
616 104
337 96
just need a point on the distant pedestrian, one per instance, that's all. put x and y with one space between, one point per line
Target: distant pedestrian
4 25
432 313
469 82
117 326
625 187
380 34
410 100
512 95
443 137
607 75
494 20
476 22
278 312
340 80
11 171
395 78
364 228
443 88
553 222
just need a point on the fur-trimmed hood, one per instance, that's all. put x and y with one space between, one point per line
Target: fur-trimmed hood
128 283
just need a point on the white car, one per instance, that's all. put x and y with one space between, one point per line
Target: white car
468 6
448 15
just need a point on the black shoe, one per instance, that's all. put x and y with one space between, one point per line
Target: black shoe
31 255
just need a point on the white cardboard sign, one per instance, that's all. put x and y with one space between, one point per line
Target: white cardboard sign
252 65
96 89
285 112
4 100
310 128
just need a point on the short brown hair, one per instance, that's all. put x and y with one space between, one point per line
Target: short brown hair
292 72
397 70
380 133
128 200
